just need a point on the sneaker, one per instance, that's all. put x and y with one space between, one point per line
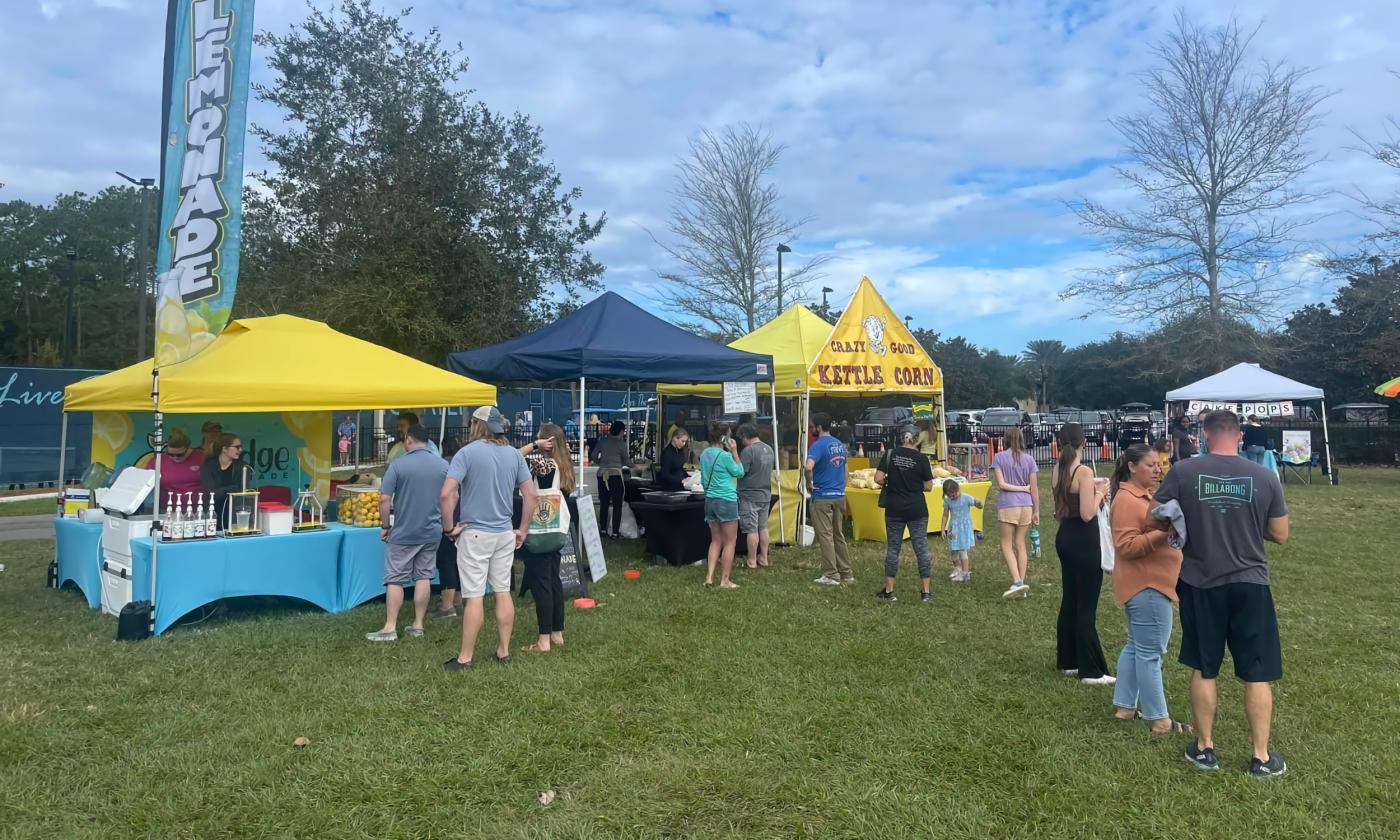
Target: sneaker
1104 680
926 598
827 581
414 632
1204 759
1017 590
887 597
956 575
452 666
381 636
446 612
1275 766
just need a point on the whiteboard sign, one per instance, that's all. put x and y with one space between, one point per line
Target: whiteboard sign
592 542
740 398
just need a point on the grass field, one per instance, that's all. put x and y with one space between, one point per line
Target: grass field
779 710
28 507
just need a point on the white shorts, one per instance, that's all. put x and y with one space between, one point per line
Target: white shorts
484 556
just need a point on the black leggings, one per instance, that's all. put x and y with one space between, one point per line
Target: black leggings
610 490
447 564
1081 577
542 579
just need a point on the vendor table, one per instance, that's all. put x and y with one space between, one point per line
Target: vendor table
78 551
195 573
361 576
868 520
676 533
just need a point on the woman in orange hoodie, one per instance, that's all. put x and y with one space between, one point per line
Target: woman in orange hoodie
1144 585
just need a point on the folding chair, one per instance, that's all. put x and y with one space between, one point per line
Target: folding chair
1302 470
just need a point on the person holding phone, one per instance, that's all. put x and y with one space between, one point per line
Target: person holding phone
720 472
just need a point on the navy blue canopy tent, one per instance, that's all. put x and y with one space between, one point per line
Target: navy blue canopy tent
614 340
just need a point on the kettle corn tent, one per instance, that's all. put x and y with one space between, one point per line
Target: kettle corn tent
869 352
610 340
1248 382
254 366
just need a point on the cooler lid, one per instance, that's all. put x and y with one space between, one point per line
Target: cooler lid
129 491
273 506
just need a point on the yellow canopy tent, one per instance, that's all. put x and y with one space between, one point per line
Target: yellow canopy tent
793 339
280 363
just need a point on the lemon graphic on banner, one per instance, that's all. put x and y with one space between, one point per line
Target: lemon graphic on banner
111 433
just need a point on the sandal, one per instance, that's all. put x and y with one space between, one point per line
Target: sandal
1177 728
730 585
504 660
534 648
1137 715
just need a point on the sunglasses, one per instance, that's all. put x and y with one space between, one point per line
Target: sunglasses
237 446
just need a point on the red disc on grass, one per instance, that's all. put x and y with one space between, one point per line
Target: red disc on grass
584 603
632 574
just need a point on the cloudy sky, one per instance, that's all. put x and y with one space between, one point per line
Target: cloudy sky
932 143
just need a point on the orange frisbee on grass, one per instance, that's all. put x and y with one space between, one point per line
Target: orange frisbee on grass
584 603
632 574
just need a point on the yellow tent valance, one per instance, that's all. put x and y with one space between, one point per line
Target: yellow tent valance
871 351
793 339
281 363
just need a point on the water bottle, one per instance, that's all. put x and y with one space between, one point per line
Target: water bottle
1035 542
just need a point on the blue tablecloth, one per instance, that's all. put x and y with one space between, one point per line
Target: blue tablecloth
361 565
78 549
192 574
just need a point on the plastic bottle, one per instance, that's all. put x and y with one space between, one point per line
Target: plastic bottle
211 525
189 516
1035 542
167 520
199 519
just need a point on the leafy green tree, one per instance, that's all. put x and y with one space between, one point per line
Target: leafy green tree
1043 360
1351 345
397 209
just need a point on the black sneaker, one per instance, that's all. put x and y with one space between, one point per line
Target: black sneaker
888 597
1275 766
452 666
926 597
1204 759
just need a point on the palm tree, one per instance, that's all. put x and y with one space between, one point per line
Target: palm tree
1044 359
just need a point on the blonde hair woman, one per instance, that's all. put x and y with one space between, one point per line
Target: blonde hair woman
549 458
1018 506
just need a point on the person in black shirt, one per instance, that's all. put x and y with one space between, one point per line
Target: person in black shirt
672 472
1183 442
1256 440
221 474
906 475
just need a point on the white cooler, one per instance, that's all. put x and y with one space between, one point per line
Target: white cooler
116 585
118 530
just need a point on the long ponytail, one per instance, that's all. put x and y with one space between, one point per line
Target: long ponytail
1071 437
1121 469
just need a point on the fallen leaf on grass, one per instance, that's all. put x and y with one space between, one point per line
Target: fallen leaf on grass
547 797
301 742
91 708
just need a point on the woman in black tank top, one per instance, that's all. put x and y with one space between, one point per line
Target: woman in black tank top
1077 499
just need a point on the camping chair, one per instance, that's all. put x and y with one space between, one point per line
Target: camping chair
1302 470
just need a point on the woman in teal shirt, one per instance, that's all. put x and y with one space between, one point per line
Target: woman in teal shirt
720 473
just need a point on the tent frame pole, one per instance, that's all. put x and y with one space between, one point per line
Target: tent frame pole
442 429
777 442
582 431
62 457
1327 445
158 423
802 463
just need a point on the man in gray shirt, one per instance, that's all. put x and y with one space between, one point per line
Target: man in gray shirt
483 478
1231 506
410 490
755 493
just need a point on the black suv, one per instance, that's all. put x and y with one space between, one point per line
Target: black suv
883 425
1133 424
995 422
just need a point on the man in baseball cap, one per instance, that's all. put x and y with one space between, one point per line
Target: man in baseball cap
480 485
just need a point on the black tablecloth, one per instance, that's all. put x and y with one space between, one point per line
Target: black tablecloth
676 533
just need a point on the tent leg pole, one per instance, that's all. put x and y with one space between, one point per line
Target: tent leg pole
582 431
802 463
442 430
777 442
158 423
62 457
1327 445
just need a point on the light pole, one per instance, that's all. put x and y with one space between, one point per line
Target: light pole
782 249
70 326
907 319
826 290
143 256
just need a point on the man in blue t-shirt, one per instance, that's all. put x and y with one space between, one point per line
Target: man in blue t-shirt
410 491
826 484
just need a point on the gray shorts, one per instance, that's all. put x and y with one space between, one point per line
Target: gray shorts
405 564
753 510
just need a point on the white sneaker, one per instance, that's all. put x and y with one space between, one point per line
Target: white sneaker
827 581
1104 680
956 575
1017 590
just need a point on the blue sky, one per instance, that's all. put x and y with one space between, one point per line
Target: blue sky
932 143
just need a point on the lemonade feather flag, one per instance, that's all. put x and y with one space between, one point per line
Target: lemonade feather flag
208 50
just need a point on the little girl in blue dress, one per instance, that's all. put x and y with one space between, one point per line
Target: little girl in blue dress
957 528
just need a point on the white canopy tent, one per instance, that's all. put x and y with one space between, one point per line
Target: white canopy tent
1248 382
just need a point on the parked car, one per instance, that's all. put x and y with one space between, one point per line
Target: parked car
1095 423
1133 424
1043 428
995 422
883 425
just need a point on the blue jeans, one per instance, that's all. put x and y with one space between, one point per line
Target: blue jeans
1140 664
1255 454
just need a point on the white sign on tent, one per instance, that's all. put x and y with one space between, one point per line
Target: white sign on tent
740 398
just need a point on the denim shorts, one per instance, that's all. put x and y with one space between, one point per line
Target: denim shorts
721 510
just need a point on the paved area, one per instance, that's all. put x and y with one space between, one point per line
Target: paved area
26 527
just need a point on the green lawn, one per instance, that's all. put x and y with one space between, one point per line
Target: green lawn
28 507
780 710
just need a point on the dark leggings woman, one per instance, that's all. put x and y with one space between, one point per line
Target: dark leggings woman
1077 645
610 491
542 579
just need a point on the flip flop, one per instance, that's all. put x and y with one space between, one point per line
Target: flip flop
731 585
534 648
1177 728
1137 715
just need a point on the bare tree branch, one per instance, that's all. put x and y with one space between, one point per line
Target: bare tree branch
1216 157
725 227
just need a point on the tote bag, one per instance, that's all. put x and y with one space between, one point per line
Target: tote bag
1105 540
549 527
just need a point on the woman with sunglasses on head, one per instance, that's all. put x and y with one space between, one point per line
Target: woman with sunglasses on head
221 474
